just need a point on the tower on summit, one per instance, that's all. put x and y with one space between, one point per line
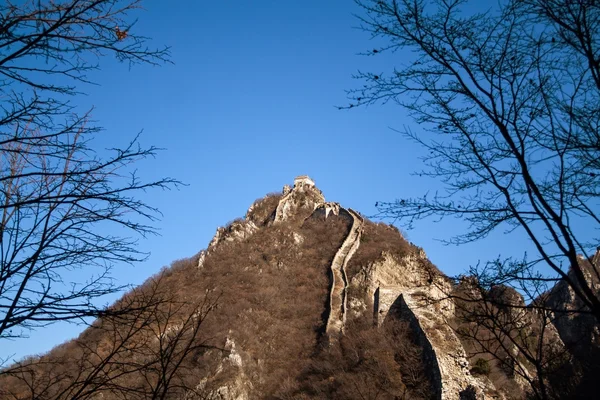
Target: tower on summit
303 180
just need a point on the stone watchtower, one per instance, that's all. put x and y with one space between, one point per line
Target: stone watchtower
303 180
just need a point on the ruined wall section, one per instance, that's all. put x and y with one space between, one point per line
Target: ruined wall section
359 229
410 271
411 288
443 351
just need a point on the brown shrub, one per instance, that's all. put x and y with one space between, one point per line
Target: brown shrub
366 363
274 295
481 366
376 239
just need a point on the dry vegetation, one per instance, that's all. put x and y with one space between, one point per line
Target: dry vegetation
378 239
367 363
274 294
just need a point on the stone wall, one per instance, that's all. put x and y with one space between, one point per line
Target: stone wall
443 351
338 294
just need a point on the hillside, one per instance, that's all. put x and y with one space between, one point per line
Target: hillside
301 298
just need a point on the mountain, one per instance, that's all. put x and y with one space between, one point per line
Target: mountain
302 298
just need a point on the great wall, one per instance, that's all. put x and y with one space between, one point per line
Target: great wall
338 295
339 285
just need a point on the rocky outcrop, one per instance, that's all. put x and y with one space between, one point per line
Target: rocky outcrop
426 311
283 207
577 330
235 386
303 196
242 228
410 289
236 230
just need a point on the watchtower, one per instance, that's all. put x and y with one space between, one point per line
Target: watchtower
303 180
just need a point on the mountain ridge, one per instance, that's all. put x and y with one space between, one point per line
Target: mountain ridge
306 299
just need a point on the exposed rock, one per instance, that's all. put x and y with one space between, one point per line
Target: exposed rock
236 230
298 239
404 289
201 258
446 357
506 296
579 331
238 385
303 197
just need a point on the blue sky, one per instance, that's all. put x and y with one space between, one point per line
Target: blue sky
248 104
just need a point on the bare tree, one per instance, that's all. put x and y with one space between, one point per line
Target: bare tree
508 105
58 196
147 352
517 343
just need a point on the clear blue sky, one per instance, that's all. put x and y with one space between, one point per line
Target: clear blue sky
248 104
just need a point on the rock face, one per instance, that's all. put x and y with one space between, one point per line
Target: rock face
237 386
303 196
420 296
579 331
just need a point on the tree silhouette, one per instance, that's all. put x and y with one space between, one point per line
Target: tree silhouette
145 349
507 103
57 194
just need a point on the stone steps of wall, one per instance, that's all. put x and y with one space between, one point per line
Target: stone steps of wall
337 296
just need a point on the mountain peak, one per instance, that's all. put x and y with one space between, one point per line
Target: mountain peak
303 180
304 197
